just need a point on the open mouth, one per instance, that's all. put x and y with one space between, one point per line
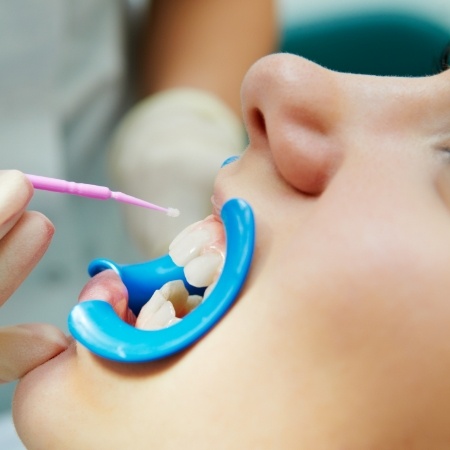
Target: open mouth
213 254
200 250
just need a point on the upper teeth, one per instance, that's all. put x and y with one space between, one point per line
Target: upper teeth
203 270
200 249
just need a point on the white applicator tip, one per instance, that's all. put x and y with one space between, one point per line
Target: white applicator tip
173 212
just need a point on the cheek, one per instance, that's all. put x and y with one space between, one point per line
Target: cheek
371 316
360 281
443 186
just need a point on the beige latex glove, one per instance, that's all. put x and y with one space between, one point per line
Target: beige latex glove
24 237
168 150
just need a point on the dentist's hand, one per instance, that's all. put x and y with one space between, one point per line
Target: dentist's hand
24 238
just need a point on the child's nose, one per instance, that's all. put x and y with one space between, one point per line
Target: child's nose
292 107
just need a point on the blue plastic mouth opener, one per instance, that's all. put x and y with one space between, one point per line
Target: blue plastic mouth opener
95 324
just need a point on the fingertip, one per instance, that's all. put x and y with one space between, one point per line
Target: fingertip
41 223
16 186
27 346
38 230
24 240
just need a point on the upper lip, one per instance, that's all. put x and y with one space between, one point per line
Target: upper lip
216 207
217 202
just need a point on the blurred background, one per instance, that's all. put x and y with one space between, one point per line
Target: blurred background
383 37
378 37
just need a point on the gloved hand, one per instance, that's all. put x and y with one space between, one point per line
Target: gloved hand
24 237
167 151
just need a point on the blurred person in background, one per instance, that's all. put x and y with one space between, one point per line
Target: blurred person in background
141 96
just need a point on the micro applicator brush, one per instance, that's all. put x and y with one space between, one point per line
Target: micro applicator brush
93 191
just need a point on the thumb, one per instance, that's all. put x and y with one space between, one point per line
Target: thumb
24 347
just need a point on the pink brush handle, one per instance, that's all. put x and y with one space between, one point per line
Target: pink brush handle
70 187
93 191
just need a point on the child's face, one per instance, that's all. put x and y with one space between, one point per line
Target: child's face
341 338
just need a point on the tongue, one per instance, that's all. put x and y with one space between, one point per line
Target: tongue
108 286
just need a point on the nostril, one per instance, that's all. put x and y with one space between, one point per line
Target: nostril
258 121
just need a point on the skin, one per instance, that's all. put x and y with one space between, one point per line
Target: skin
340 339
24 237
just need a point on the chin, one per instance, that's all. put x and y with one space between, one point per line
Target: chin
38 401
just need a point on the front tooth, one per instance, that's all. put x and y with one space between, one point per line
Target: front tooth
156 313
203 271
190 246
184 233
197 239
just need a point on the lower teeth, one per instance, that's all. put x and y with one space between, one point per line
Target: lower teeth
167 306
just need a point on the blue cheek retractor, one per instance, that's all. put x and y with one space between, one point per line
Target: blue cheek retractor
95 324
